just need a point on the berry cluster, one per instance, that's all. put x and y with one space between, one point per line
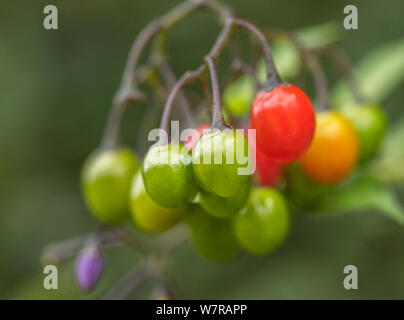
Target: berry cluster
175 182
206 182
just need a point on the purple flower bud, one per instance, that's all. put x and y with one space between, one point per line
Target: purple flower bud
89 265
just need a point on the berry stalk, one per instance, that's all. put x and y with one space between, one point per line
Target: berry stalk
313 64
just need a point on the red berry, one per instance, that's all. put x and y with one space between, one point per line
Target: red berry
194 138
285 122
268 170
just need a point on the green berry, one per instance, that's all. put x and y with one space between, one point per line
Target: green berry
215 164
238 96
264 224
147 214
212 237
167 174
370 122
106 180
220 207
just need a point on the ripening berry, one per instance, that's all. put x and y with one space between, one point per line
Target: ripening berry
335 149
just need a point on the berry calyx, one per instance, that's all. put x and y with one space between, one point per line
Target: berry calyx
285 122
264 224
106 181
147 214
334 152
218 159
167 175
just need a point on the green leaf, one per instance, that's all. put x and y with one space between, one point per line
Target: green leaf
378 74
363 192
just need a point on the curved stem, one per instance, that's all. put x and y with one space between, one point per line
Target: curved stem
127 284
170 80
187 77
217 116
320 80
128 91
190 76
273 78
128 82
112 128
66 249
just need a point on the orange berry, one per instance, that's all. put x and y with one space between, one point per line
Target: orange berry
333 153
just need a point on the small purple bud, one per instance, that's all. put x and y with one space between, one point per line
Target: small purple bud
89 265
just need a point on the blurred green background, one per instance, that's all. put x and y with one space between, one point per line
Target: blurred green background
55 93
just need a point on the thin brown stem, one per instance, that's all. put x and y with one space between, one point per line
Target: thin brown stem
189 76
217 117
313 64
186 78
170 79
66 249
128 91
128 83
273 78
127 284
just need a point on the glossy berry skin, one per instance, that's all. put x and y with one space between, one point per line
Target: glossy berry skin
268 172
238 95
335 149
148 215
220 207
370 123
106 181
198 132
264 225
285 122
214 171
212 237
167 175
